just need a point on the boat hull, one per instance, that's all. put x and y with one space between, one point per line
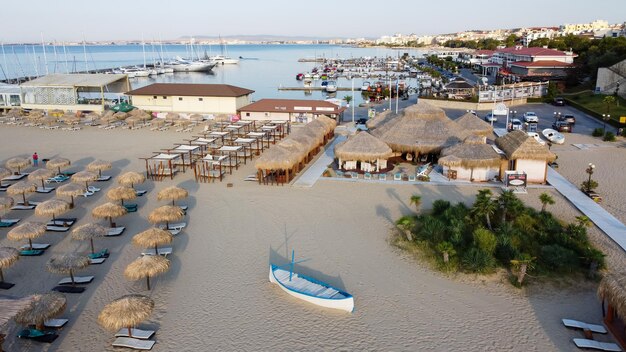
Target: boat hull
193 67
345 304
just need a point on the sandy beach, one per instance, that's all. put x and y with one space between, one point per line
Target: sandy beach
217 296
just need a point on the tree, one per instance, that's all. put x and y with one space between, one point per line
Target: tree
588 186
348 99
417 201
484 206
509 202
447 250
546 200
583 221
485 240
524 264
406 224
608 100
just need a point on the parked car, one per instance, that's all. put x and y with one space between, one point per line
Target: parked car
559 101
562 126
569 118
530 117
516 124
490 117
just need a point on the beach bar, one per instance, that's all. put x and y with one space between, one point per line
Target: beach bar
473 160
525 155
73 92
363 152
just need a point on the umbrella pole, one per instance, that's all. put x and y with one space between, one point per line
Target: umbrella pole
72 202
92 251
173 204
87 186
24 198
110 221
42 185
148 281
156 249
30 243
2 276
72 277
130 333
59 170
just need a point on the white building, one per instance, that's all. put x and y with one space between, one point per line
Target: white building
584 27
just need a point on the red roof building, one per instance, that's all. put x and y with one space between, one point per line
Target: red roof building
292 110
536 64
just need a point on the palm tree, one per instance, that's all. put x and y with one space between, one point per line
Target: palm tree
508 202
484 206
608 100
417 201
583 221
348 99
447 250
545 199
406 224
524 264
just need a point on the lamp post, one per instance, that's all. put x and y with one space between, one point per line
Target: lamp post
616 93
589 170
605 118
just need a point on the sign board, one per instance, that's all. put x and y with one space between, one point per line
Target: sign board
515 179
371 113
622 119
500 109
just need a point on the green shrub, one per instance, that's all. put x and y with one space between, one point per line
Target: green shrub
478 261
598 132
485 240
439 206
557 258
609 137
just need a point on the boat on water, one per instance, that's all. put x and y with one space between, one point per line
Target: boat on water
136 72
309 289
224 60
553 136
300 76
331 86
182 65
365 87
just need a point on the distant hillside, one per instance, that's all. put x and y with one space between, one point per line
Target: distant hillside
257 38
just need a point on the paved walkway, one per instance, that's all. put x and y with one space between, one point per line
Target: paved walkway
602 218
310 175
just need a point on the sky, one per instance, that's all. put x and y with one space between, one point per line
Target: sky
71 20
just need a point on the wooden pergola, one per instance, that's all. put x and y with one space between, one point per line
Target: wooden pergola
210 168
161 165
246 143
260 136
232 152
207 145
248 126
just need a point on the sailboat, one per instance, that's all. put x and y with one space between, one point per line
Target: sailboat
223 59
309 289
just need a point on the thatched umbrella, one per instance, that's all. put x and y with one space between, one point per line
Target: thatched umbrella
108 211
126 312
4 172
27 230
8 257
612 288
68 264
22 188
71 190
49 120
475 125
131 178
152 237
58 163
363 147
172 116
146 266
40 175
9 308
99 165
166 213
17 163
84 176
5 203
519 145
196 117
52 207
89 232
42 307
121 193
172 193
120 115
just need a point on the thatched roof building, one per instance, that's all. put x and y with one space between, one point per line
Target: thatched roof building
470 155
519 145
363 146
612 289
474 125
421 128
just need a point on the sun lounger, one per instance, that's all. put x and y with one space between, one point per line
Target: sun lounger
44 189
135 344
6 285
115 231
88 194
23 207
35 203
15 177
93 189
55 323
3 188
57 179
67 174
597 345
136 333
57 228
31 252
36 246
570 323
140 192
96 261
9 222
103 178
38 335
69 289
165 251
78 280
62 222
102 254
131 208
382 177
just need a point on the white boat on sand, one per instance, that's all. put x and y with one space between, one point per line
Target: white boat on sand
553 136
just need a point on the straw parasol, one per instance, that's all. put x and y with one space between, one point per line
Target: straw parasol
5 203
196 117
22 188
519 145
99 165
278 158
58 163
17 163
131 178
8 257
470 155
4 172
126 312
71 190
172 193
475 125
172 116
89 232
166 213
49 120
27 230
84 176
612 288
68 264
152 237
52 207
120 115
121 193
421 129
9 308
42 307
40 175
146 266
363 146
108 211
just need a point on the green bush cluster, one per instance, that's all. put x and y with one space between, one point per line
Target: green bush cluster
609 136
500 231
598 132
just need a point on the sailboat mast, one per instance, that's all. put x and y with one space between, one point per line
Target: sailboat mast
4 58
67 68
293 253
85 53
56 59
45 58
143 47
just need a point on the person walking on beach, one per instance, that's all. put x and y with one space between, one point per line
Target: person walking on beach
35 159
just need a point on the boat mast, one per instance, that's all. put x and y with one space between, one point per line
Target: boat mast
143 47
4 58
85 53
56 59
45 58
67 68
293 252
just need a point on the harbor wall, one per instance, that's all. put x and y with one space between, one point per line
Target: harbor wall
466 105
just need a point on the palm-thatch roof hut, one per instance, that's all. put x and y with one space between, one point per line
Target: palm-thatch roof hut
364 149
145 267
526 155
474 125
126 312
42 307
612 290
419 129
471 160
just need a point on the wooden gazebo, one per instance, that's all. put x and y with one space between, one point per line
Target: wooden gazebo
162 165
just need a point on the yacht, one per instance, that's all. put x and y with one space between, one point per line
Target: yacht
182 65
224 60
